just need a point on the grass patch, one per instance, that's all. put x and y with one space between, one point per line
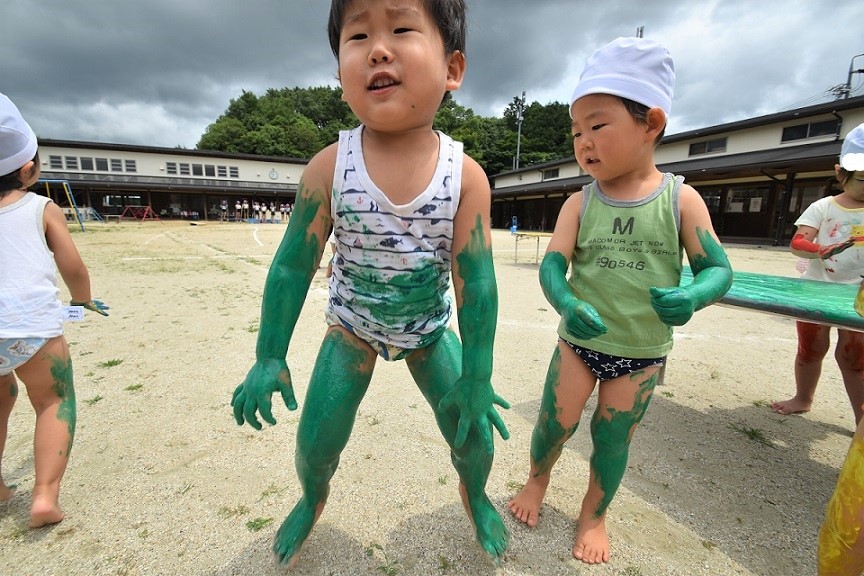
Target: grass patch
754 434
93 400
133 387
110 363
271 490
257 524
225 512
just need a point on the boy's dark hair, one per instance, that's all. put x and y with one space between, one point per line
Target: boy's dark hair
640 113
13 180
448 15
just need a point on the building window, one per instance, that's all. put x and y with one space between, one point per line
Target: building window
708 146
197 170
171 167
131 166
87 164
222 171
810 130
71 162
102 164
234 172
184 169
209 170
116 165
550 174
55 162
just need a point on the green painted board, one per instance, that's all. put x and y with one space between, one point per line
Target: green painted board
808 300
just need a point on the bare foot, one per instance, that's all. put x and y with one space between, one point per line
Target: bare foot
488 525
6 492
294 530
791 406
45 511
592 542
525 506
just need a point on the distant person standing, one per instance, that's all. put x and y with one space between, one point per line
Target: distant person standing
34 243
224 206
245 213
830 235
237 210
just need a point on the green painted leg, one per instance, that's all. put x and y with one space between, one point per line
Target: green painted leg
611 436
436 369
338 383
549 436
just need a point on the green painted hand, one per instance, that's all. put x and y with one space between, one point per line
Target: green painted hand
94 305
674 305
475 401
582 319
254 395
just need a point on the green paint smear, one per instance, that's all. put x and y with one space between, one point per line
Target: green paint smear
478 313
290 275
612 441
713 273
548 437
339 381
61 370
13 389
553 281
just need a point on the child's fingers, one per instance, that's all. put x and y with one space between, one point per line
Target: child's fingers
288 396
496 399
498 422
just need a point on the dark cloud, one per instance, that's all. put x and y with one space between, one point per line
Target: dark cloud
158 72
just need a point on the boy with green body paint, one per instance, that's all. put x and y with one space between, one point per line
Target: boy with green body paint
622 237
34 243
408 209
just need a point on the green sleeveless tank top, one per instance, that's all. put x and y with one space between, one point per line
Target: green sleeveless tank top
623 249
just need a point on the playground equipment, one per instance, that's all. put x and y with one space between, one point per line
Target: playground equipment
71 199
140 213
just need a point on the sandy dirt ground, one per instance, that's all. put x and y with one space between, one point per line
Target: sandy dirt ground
162 481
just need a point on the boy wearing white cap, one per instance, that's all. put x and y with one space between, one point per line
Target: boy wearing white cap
34 237
621 236
830 234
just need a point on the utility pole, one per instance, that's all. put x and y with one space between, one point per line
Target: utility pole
852 70
520 107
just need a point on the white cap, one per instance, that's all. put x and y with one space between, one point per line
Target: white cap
634 68
17 140
852 152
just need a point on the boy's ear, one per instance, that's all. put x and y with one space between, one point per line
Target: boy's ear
656 119
455 70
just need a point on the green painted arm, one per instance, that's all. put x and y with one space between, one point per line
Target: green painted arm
580 317
478 316
285 291
712 278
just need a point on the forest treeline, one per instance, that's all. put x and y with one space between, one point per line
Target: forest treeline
298 122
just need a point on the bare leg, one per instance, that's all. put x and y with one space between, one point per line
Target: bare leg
813 344
841 539
621 404
849 354
8 394
48 377
338 383
436 370
569 383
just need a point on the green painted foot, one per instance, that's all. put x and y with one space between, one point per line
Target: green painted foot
294 530
491 532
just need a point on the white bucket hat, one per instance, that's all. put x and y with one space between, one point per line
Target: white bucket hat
852 151
17 140
634 68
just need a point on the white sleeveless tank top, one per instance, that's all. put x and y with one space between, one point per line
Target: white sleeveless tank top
391 272
29 297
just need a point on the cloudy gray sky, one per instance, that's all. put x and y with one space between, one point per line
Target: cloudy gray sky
157 72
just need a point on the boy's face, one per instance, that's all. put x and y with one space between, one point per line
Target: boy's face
392 65
607 139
